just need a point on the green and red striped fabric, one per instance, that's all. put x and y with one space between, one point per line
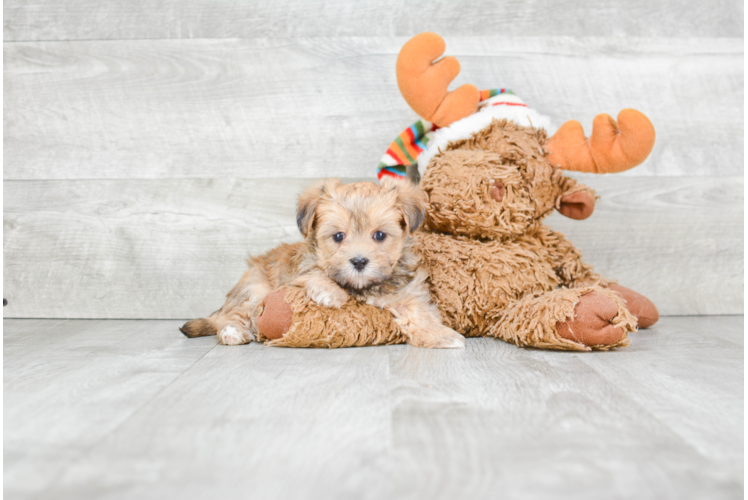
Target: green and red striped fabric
412 141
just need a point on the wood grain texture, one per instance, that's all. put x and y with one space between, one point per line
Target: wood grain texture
675 240
316 417
69 384
195 233
312 107
661 419
128 19
692 374
173 248
537 425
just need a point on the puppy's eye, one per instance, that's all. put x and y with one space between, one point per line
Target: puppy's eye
379 236
338 237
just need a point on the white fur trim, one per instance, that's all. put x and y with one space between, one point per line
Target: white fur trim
465 128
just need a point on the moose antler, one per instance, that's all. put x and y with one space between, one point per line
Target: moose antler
423 82
612 147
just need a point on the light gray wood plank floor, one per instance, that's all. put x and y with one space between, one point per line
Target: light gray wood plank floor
131 409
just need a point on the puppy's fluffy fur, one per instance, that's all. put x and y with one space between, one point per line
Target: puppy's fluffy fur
357 244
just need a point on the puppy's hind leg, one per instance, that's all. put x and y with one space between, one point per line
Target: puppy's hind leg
200 327
232 328
236 322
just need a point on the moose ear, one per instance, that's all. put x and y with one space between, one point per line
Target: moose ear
424 83
411 200
578 205
308 202
614 146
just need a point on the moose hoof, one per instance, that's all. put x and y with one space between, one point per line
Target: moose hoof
644 309
591 324
276 316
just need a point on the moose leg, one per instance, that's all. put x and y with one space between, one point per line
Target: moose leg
572 272
579 319
640 306
289 318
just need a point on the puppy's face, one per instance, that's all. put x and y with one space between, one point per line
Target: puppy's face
358 232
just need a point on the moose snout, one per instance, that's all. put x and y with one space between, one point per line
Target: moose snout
359 263
497 190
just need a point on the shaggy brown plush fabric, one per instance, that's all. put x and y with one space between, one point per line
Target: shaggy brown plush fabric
459 183
474 281
534 320
495 270
354 325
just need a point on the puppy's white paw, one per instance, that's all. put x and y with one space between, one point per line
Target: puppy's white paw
330 297
455 341
440 337
230 335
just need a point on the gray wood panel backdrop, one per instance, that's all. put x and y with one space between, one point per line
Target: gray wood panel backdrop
151 145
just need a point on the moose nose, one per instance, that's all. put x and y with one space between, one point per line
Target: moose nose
497 191
359 263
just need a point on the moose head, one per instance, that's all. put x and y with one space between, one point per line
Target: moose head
504 176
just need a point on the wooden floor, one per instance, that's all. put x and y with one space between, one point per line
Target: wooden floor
132 409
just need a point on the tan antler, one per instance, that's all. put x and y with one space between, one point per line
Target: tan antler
612 147
423 82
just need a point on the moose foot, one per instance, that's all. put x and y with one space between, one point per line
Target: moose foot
592 322
644 309
276 317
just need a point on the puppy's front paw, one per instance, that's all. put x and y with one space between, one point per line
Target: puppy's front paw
329 296
231 335
437 337
455 341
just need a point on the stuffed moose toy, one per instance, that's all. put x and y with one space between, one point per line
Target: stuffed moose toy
491 175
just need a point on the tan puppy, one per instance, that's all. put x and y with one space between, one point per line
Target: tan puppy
357 244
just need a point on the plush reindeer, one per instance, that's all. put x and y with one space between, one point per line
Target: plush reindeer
491 175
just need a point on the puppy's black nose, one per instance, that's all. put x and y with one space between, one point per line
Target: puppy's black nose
359 263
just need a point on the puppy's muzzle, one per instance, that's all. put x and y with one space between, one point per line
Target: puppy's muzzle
359 263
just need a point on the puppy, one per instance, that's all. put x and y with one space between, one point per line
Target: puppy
358 245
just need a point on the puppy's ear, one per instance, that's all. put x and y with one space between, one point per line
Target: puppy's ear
411 200
309 200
